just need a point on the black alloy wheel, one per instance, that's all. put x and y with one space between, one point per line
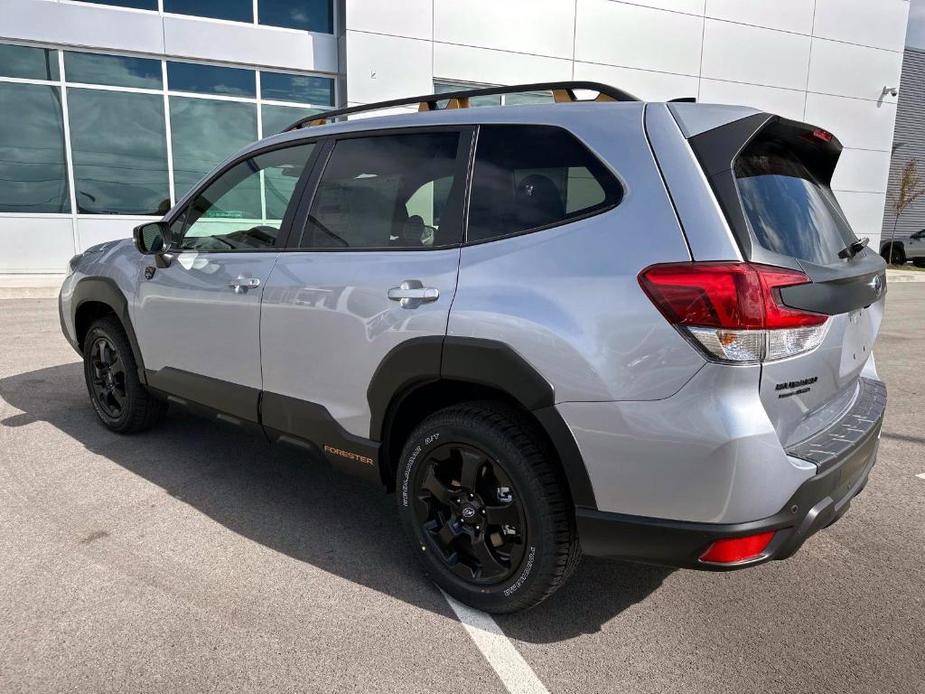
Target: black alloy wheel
471 514
107 377
121 402
486 506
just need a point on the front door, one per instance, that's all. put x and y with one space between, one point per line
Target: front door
198 319
376 266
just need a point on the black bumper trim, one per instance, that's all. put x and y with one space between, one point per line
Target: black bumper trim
828 446
818 503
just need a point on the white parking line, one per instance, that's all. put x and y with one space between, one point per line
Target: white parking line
921 475
516 675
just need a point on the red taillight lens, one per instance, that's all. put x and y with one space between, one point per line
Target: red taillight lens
776 315
737 549
709 295
735 296
734 310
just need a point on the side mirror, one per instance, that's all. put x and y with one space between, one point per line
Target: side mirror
153 238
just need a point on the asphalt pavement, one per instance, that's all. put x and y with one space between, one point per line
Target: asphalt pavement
199 558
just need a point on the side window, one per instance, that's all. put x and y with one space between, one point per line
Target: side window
534 176
389 191
243 209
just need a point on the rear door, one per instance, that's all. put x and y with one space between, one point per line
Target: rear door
198 319
373 264
777 197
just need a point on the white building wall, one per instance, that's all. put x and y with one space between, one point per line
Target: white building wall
823 61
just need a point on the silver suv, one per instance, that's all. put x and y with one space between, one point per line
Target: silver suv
597 325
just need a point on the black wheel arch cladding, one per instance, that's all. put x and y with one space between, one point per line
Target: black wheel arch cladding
103 290
481 362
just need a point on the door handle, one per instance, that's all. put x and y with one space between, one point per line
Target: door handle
413 293
242 284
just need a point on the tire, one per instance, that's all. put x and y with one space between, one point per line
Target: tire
896 256
918 262
120 400
487 508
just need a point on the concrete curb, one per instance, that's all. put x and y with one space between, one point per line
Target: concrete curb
15 286
904 276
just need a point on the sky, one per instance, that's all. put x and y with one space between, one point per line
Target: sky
915 36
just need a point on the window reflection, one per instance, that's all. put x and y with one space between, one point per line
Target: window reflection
310 15
204 133
120 152
233 10
137 4
32 165
211 79
25 62
307 89
112 70
275 119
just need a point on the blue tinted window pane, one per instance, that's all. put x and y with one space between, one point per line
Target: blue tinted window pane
28 63
444 87
113 70
32 167
138 4
119 147
210 79
275 119
234 10
205 132
310 15
279 86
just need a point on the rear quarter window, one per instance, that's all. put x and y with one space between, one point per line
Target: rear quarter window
531 177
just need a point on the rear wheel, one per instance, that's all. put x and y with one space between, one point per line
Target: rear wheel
119 399
918 262
487 508
894 254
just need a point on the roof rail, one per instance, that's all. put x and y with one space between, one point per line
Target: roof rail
562 92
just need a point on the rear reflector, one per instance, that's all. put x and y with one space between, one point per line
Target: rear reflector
734 311
737 549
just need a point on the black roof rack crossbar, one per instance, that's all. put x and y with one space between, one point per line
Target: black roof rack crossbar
561 92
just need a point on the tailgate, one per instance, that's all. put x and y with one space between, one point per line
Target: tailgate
772 179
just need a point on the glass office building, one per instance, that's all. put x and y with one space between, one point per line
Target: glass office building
98 132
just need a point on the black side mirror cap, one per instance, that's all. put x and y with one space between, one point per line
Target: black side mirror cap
152 238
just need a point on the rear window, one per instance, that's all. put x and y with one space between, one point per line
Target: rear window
791 210
530 177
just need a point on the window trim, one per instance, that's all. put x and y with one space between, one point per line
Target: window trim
587 214
311 188
181 208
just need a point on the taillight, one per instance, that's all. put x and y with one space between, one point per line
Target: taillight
734 310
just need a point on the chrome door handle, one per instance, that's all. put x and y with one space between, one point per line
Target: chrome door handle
242 284
413 293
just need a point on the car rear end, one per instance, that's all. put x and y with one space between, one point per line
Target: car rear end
784 303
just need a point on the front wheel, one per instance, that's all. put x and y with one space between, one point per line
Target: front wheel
119 399
918 262
487 508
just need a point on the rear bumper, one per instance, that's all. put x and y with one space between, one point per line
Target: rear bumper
816 504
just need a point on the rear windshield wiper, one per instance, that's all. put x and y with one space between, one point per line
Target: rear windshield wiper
852 249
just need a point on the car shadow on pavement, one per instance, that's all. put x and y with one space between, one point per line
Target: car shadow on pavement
287 501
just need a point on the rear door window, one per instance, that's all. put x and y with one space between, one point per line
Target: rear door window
530 177
390 191
787 201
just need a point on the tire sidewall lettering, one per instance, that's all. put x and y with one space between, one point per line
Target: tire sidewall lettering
429 440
